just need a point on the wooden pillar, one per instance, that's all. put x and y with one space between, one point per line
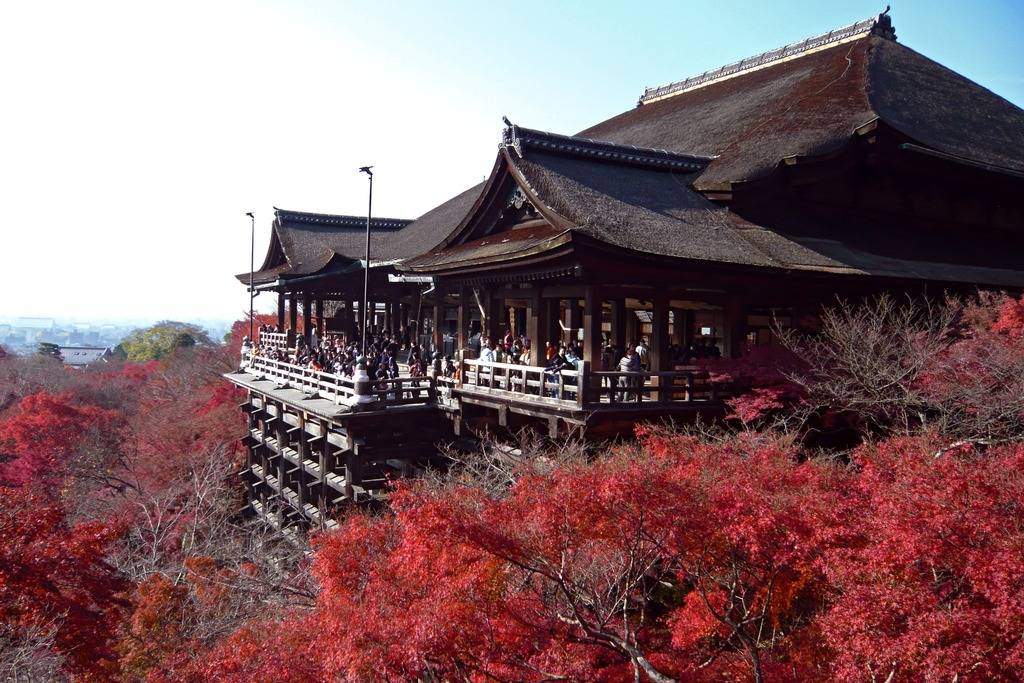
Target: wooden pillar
535 309
414 316
678 326
438 330
320 326
346 319
552 316
734 327
280 310
462 325
307 327
497 317
302 449
575 317
326 467
632 327
659 334
592 312
619 325
293 316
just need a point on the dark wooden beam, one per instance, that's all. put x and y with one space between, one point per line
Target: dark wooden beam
618 324
659 334
307 326
534 314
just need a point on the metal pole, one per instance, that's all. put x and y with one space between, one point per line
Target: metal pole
252 266
366 270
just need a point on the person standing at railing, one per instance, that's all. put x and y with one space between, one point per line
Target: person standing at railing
554 369
246 352
643 354
629 363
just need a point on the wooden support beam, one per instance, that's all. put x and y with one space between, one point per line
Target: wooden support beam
293 316
534 308
632 327
659 334
280 310
301 448
735 326
575 319
465 310
618 325
438 327
319 309
326 467
592 312
678 326
551 328
497 319
307 327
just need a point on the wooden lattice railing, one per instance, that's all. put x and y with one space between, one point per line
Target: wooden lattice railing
565 388
275 340
585 387
340 389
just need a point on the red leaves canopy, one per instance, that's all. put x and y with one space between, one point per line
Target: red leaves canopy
54 579
688 561
44 433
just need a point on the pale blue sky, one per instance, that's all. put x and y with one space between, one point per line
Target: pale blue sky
135 135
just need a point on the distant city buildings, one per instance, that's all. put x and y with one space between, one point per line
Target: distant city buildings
23 335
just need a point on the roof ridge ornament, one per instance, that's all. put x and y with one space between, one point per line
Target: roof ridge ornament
510 137
880 25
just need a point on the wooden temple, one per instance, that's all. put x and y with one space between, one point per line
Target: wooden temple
720 205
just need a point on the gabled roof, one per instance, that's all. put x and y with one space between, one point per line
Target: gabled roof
632 199
304 243
625 196
808 99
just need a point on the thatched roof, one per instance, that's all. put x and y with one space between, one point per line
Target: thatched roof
811 102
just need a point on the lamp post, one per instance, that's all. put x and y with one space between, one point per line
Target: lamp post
366 272
252 266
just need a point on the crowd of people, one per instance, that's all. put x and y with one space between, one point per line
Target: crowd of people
340 354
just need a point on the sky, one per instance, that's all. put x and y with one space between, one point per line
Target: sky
134 136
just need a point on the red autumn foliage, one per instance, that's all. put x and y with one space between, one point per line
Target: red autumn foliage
676 559
54 577
42 436
931 586
689 561
760 380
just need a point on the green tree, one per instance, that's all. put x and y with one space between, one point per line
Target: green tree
49 350
161 340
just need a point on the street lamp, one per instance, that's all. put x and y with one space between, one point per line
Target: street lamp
252 266
366 273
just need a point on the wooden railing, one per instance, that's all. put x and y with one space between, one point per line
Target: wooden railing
324 385
275 340
398 391
565 388
585 387
401 391
568 389
687 385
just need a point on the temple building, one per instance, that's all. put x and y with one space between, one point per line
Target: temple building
718 208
